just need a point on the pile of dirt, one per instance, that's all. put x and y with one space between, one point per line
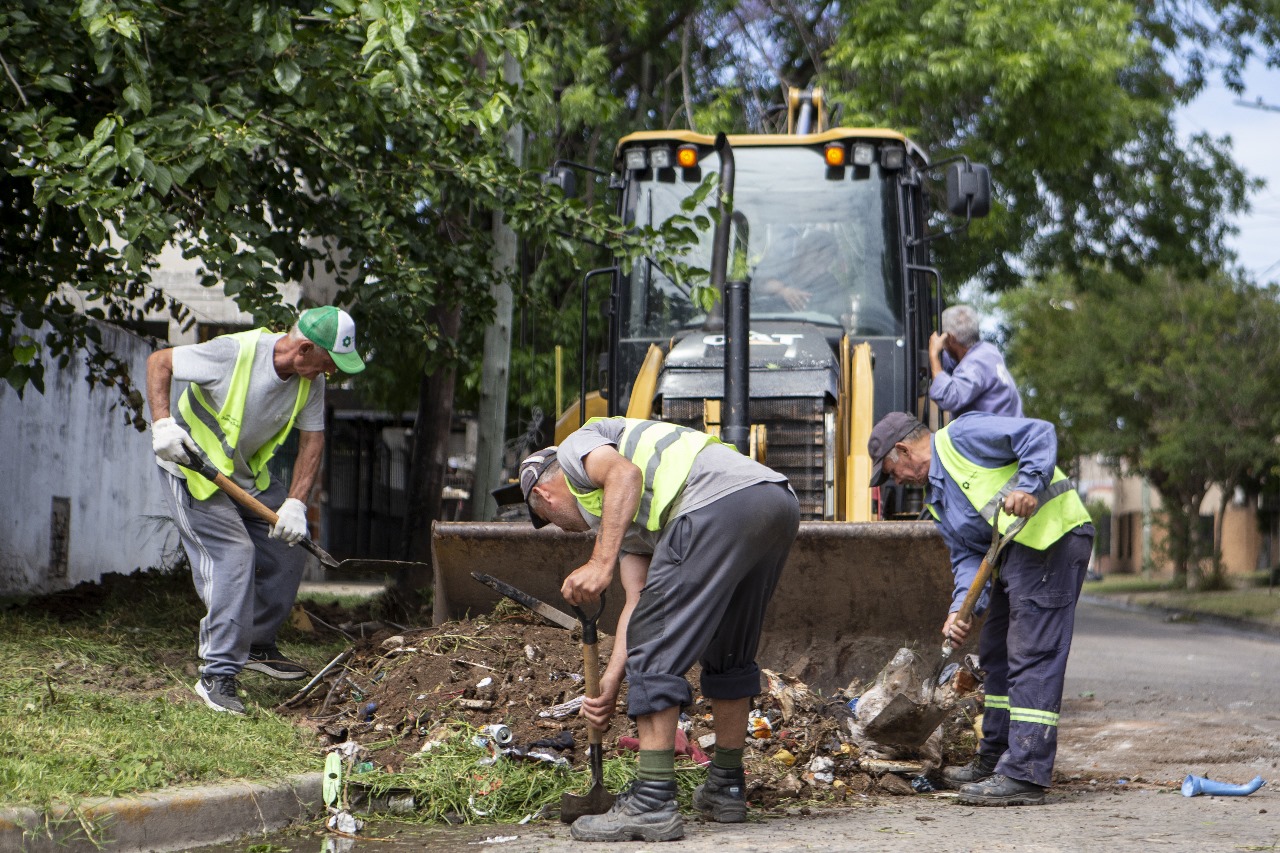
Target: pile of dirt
397 689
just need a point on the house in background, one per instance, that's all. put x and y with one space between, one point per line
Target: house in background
82 495
1130 536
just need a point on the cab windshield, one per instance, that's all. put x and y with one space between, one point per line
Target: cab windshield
820 248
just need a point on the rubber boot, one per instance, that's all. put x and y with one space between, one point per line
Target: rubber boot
724 795
975 771
644 812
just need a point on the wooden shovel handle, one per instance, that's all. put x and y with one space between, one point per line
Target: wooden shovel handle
245 499
975 590
591 675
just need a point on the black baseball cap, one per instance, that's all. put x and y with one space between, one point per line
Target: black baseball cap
893 427
531 470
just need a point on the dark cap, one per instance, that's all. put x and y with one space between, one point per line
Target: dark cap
893 427
531 470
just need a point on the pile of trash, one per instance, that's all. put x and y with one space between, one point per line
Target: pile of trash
516 684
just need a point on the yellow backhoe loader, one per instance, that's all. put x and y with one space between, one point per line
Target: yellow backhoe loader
827 332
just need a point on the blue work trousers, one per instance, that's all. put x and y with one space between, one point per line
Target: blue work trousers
1023 648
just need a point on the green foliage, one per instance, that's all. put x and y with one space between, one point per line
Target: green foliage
1073 111
1173 377
457 780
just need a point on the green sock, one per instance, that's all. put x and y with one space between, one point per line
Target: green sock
657 765
727 759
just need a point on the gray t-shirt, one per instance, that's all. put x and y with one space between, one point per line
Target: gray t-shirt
719 470
267 406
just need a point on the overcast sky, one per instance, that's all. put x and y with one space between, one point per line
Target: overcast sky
1255 134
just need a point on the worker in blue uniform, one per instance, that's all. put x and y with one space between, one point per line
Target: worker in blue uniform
971 468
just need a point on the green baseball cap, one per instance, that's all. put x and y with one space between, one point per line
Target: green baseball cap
334 330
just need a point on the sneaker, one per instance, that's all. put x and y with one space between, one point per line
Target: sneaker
644 812
982 767
221 693
1000 790
269 661
724 795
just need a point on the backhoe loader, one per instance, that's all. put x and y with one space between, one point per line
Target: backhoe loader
826 332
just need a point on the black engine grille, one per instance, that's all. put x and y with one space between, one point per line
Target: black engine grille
794 433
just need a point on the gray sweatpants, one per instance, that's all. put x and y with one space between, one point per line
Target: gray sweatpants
246 579
710 581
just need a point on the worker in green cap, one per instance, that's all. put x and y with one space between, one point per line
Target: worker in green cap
235 399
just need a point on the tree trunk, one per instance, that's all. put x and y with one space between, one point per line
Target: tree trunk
495 366
428 456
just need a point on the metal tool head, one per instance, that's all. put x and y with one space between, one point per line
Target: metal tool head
597 800
905 723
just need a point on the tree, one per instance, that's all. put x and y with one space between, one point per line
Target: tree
1172 376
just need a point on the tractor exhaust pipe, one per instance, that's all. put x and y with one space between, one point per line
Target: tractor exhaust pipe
735 424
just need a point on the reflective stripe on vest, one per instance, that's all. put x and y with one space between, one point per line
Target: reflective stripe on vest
218 433
1061 509
664 453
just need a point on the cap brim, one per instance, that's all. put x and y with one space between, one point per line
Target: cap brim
878 477
538 521
347 362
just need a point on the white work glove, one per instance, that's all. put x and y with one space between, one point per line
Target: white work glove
291 525
171 443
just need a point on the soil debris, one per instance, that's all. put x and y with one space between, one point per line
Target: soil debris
399 688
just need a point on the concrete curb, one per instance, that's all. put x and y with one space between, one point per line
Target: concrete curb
164 820
1177 614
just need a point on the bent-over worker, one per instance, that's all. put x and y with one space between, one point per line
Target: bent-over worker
969 468
714 528
237 398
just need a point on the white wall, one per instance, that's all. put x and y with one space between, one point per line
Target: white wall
70 443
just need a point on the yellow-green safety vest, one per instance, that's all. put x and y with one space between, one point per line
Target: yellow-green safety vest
1061 509
664 453
218 433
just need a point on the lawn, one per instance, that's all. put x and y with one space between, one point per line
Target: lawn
1247 601
96 697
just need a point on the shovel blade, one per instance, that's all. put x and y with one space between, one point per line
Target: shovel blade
597 800
905 723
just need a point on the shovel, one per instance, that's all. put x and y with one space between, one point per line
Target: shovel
597 800
205 469
906 723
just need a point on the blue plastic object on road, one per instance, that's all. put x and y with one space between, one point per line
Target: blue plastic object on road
1195 785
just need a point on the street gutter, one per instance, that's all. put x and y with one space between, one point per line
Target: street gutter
163 821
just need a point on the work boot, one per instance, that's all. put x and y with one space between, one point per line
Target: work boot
1000 790
644 812
724 795
221 693
980 768
269 661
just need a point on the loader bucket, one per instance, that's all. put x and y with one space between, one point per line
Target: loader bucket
534 561
852 593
